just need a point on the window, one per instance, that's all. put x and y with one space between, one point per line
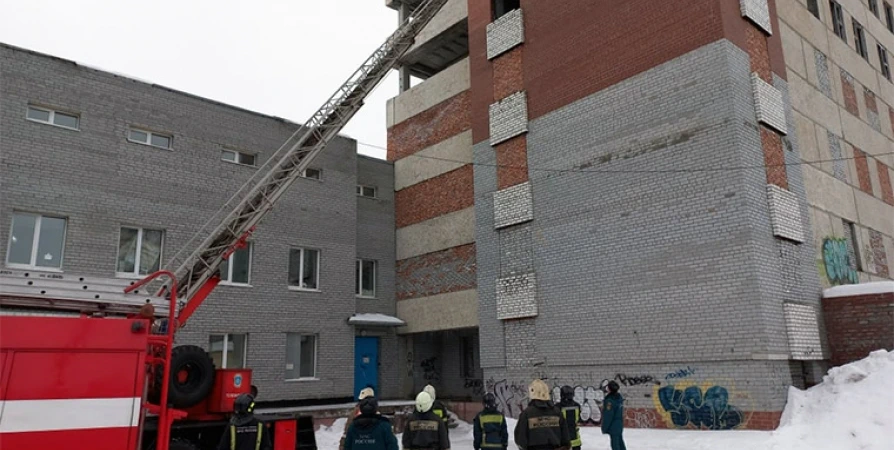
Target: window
365 278
149 138
853 247
366 191
467 357
48 116
236 269
235 157
860 40
304 272
838 20
315 174
139 251
873 6
889 17
501 7
228 350
883 62
813 7
36 241
301 356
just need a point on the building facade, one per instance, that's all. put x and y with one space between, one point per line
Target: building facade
654 194
107 176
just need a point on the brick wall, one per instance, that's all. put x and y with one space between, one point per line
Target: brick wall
442 121
863 171
434 273
434 197
884 177
858 325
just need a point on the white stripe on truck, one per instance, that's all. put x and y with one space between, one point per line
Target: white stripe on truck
21 416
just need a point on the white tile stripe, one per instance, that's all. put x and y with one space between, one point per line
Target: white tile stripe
20 416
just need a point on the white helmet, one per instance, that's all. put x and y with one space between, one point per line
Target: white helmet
423 402
366 392
430 390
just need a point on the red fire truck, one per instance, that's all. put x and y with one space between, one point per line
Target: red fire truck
85 364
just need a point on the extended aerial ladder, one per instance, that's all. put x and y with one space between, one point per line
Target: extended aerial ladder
193 272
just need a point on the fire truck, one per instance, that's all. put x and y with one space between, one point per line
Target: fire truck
87 364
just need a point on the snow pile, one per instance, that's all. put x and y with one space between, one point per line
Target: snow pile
853 408
328 438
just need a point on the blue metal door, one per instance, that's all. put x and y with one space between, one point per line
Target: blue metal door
366 364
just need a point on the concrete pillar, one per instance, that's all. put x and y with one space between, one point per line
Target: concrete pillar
404 71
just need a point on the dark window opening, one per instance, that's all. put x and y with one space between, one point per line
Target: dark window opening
813 7
883 62
838 20
853 245
501 7
889 16
873 6
860 40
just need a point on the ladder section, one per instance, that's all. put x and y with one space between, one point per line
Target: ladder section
237 219
58 291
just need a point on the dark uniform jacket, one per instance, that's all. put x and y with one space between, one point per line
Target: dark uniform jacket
425 431
489 430
571 413
612 414
541 427
440 410
370 433
245 433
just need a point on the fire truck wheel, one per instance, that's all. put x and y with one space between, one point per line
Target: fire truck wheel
192 376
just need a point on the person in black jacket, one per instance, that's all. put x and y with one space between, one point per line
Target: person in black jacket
370 430
541 425
489 427
613 416
245 431
424 429
571 412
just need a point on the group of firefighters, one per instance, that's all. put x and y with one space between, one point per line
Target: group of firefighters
543 425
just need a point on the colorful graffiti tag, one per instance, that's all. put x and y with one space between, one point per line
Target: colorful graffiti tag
590 400
700 407
838 267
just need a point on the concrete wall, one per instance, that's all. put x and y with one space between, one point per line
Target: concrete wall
100 181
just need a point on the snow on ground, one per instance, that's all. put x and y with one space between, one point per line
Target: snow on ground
852 409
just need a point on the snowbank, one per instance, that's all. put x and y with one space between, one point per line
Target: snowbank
853 408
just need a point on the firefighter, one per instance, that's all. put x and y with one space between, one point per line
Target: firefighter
489 427
613 416
370 430
437 406
541 425
245 431
364 393
424 429
571 413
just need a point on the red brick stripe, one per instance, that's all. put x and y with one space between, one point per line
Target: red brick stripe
884 178
509 73
863 171
774 157
449 270
436 124
435 197
512 162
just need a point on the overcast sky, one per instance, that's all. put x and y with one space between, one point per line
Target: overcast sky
278 57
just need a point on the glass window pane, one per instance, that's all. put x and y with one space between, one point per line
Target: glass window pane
313 173
38 114
227 155
295 267
22 240
369 192
161 141
241 260
309 277
215 349
139 136
150 251
225 270
368 281
247 159
65 120
308 357
236 351
50 242
293 349
357 277
127 250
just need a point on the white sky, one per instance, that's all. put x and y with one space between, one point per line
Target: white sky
277 57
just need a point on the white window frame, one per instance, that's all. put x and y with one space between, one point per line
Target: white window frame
229 276
361 187
36 242
319 171
884 65
52 119
223 357
359 274
316 357
301 269
238 159
139 254
149 134
860 43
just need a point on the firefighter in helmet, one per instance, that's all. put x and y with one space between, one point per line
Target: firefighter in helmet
424 429
437 406
489 427
541 425
245 431
571 412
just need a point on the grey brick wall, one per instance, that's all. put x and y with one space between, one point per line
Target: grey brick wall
505 33
668 263
100 181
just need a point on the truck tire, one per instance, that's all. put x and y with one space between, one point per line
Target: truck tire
192 376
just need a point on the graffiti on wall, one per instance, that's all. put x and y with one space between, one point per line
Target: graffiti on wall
512 397
476 385
680 373
705 407
836 265
430 372
590 400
